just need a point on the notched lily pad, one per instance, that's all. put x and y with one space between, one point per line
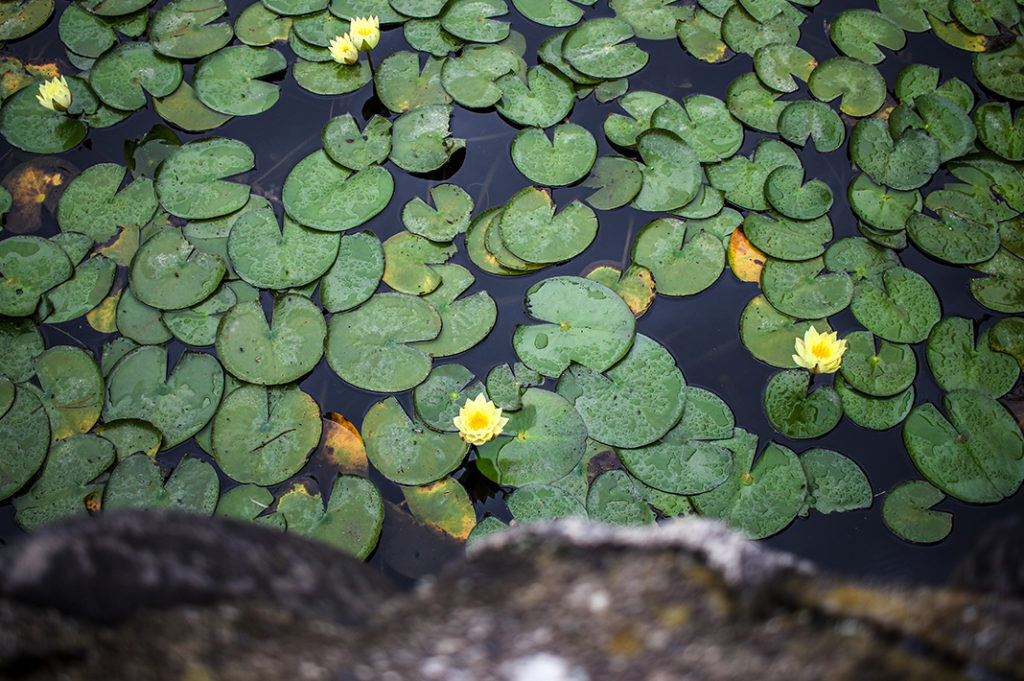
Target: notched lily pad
907 512
796 413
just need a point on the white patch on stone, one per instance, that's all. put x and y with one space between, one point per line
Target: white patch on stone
542 667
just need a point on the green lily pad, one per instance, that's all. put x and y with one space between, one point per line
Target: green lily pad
746 35
906 511
860 258
267 256
540 99
1007 335
20 344
742 179
807 118
427 35
30 266
179 405
757 499
189 182
755 104
369 346
542 442
402 86
295 7
777 63
999 132
944 121
464 321
71 389
861 85
357 149
439 398
919 79
796 413
182 29
834 482
617 180
271 353
588 324
453 207
19 19
28 125
330 78
406 451
987 16
1000 71
538 503
25 431
183 109
131 436
495 254
901 310
876 413
682 261
614 498
640 105
138 483
122 76
321 194
957 363
443 506
650 19
198 324
505 386
858 33
470 77
86 289
422 9
532 231
785 238
771 335
701 35
471 20
258 26
94 203
319 28
904 164
671 171
978 458
169 273
246 502
562 161
785 190
632 404
881 373
409 262
228 80
355 274
911 15
954 239
63 483
421 140
803 290
597 48
351 521
264 436
85 33
881 207
140 322
704 123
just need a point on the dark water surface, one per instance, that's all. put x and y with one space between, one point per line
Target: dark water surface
701 331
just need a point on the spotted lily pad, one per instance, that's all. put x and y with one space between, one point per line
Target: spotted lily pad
542 442
907 512
881 207
903 309
131 436
449 217
754 104
956 362
597 48
834 482
746 34
439 398
71 389
94 203
402 86
616 499
876 413
562 161
228 80
635 285
999 132
30 266
169 273
700 34
406 451
351 520
29 126
858 32
443 506
179 405
321 194
796 413
409 262
64 482
20 18
189 182
803 290
640 105
704 123
541 99
25 431
369 347
357 149
470 77
905 163
785 190
944 121
682 261
464 321
671 171
785 238
742 179
532 231
271 353
355 274
183 109
954 239
807 118
1001 71
616 179
770 335
268 256
777 63
537 503
861 85
264 436
421 140
587 323
883 372
471 20
182 29
138 483
757 499
122 76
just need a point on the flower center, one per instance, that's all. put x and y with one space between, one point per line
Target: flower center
820 350
478 421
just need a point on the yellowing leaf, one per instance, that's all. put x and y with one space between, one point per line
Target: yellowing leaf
103 316
122 248
745 259
443 505
342 445
635 286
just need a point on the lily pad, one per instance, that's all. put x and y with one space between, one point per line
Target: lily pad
138 483
228 80
538 503
30 266
861 85
421 140
182 29
883 372
189 182
169 273
1000 71
532 231
357 149
907 512
860 258
139 322
258 26
881 207
742 179
26 438
635 285
464 321
131 436
264 436
701 35
704 123
834 482
321 194
978 458
183 109
470 77
406 451
597 48
770 335
471 20
542 442
614 498
369 347
858 33
905 163
20 343
804 290
755 104
409 262
71 389
671 171
355 274
796 413
29 126
122 76
956 362
256 351
640 105
785 238
179 405
94 203
807 118
683 261
777 63
903 309
944 121
402 85
876 413
785 190
443 506
617 180
439 398
953 239
562 161
587 324
999 132
19 19
541 99
757 499
427 35
246 502
330 78
746 34
61 489
351 521
453 207
267 256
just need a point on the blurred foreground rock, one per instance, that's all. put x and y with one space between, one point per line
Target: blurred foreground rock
158 597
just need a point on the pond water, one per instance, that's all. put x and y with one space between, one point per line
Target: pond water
700 331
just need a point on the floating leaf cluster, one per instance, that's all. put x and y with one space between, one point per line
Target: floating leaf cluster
601 420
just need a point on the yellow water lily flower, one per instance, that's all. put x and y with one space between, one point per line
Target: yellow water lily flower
479 421
821 353
54 94
365 33
343 50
